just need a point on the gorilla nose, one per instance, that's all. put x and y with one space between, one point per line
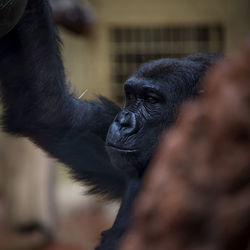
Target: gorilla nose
124 118
127 121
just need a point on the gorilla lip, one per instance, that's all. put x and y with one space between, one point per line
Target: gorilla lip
117 148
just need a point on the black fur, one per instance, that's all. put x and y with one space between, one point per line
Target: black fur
37 104
111 237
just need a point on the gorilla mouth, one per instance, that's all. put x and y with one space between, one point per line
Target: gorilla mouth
117 148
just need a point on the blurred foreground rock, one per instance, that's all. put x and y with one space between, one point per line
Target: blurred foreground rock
197 192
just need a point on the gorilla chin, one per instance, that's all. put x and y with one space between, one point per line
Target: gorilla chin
124 159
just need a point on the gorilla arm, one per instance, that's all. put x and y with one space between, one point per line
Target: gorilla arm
37 103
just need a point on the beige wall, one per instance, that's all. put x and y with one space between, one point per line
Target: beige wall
159 11
87 60
237 23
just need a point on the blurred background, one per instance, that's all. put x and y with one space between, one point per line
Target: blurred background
104 41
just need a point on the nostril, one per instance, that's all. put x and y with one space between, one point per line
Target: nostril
124 119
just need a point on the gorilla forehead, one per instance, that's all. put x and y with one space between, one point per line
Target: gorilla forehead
165 68
166 73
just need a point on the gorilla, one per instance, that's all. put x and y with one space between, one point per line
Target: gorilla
106 147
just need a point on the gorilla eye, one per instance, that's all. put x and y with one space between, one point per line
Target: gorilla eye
151 99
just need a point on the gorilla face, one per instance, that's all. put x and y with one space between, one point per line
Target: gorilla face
134 132
153 95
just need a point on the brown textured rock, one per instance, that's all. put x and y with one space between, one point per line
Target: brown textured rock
197 193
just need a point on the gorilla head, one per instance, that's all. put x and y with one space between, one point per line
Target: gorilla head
152 96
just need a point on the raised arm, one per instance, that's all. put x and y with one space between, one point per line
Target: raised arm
37 104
